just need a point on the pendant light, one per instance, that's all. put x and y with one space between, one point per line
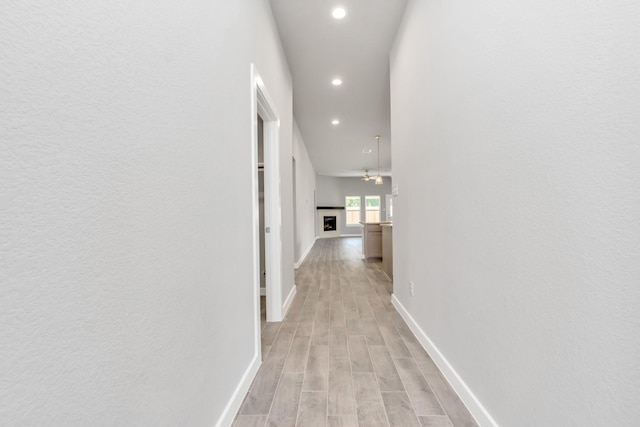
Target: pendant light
378 178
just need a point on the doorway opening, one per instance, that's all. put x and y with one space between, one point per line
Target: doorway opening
388 202
294 177
267 242
261 225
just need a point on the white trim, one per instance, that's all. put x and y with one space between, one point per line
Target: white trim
262 104
304 255
233 406
477 410
289 300
263 292
351 235
256 215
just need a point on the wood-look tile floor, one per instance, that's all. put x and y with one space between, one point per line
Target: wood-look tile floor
344 357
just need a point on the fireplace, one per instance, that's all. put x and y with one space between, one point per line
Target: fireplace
330 223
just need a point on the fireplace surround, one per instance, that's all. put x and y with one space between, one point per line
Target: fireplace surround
330 223
329 220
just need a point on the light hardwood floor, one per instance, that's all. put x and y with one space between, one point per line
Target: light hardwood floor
344 357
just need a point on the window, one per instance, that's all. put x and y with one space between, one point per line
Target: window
352 208
372 207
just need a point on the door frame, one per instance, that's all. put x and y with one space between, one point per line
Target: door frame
388 201
263 106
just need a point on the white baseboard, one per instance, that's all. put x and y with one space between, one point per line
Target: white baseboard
288 301
304 255
477 410
232 408
351 235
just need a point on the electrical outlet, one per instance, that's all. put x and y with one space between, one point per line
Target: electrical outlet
411 287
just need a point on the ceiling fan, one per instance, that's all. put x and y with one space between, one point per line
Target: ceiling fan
378 178
366 176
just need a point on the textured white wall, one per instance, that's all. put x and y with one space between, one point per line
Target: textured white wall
305 234
125 208
515 145
274 70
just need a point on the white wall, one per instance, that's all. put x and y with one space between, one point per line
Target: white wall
305 234
515 146
332 191
125 210
274 70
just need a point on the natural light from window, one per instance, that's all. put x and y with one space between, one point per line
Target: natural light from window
352 208
372 207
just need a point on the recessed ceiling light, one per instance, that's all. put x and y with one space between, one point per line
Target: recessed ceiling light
335 122
336 82
339 13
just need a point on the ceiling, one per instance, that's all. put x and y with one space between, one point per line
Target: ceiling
355 49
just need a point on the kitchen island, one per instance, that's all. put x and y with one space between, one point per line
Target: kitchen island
372 239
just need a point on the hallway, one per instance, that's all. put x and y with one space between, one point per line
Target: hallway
344 357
